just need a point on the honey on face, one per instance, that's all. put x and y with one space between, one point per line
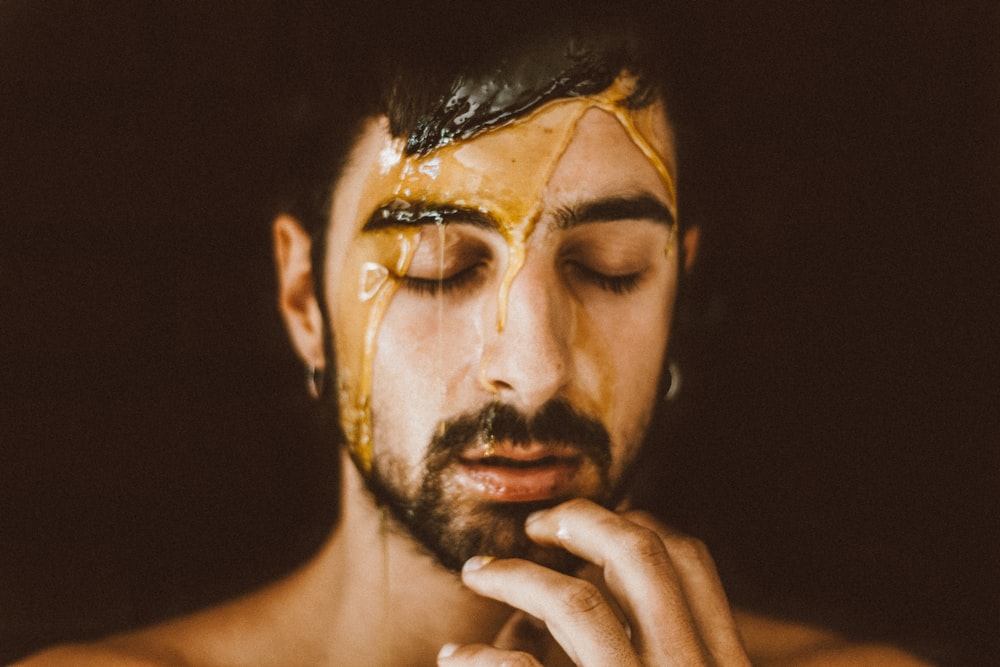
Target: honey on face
504 172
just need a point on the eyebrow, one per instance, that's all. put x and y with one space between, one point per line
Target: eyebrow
403 213
642 206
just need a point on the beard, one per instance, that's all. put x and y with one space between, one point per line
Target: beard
452 526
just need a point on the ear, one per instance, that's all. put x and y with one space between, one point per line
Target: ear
692 235
296 291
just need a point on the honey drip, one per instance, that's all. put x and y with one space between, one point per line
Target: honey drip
489 440
503 172
376 291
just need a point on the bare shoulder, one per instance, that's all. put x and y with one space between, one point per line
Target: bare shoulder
111 653
777 643
224 635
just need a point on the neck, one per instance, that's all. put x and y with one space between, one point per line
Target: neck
390 603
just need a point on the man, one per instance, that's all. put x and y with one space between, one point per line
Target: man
487 304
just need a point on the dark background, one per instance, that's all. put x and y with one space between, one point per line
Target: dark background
835 443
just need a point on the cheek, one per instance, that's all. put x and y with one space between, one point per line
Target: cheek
640 342
637 348
404 395
425 370
365 289
429 338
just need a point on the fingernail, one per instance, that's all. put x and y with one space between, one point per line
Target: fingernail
533 517
447 650
477 562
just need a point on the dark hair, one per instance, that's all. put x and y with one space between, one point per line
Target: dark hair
441 73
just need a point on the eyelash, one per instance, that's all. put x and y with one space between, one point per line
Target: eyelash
620 285
615 284
443 285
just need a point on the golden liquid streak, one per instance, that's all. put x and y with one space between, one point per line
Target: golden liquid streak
517 237
362 442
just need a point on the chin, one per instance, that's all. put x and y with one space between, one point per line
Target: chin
451 525
464 530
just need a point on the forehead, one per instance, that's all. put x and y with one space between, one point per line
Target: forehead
603 159
567 149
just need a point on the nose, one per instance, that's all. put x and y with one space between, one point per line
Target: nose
528 360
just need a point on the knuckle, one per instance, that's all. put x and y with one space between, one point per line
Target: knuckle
581 597
640 517
645 547
690 549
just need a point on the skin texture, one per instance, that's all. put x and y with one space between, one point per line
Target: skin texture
646 596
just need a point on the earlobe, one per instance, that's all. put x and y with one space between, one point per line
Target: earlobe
296 290
691 237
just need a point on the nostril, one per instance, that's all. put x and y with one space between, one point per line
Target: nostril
492 385
500 385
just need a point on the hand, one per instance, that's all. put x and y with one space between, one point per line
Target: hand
661 584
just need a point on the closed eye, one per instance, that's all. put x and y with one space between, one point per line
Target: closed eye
465 278
617 284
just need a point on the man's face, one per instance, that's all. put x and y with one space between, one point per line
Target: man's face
500 311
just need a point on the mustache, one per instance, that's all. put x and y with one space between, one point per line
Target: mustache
555 423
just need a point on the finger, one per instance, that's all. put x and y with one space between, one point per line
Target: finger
702 587
523 632
483 655
638 570
574 611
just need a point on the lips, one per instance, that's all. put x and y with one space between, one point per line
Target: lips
523 473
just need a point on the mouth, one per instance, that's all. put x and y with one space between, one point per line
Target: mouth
507 473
